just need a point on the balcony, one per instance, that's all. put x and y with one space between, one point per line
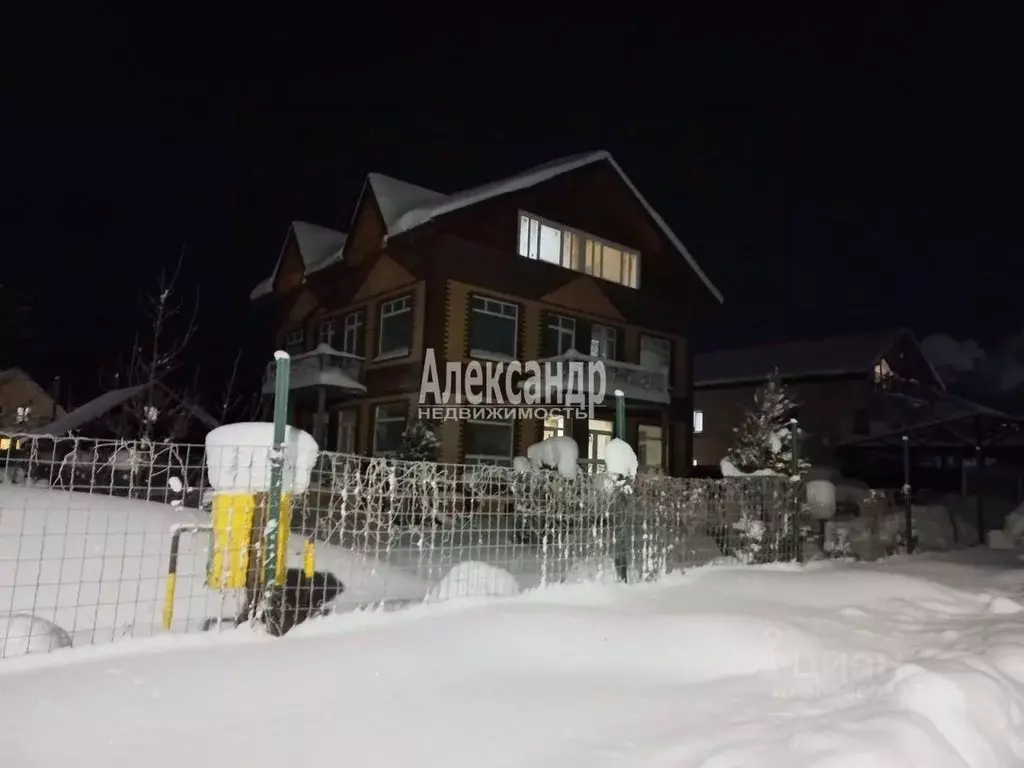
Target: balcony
323 367
635 381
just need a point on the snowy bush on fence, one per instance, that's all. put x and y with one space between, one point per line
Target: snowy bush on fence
419 443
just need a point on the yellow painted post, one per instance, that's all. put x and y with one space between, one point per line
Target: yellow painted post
309 560
233 515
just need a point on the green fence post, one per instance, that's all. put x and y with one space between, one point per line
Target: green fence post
620 414
794 431
271 534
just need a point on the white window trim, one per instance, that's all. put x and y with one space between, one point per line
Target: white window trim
555 322
387 419
584 236
483 457
352 322
698 421
387 309
325 325
22 414
485 354
295 338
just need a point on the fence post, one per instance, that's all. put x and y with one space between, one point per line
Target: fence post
907 510
620 414
624 531
794 432
271 535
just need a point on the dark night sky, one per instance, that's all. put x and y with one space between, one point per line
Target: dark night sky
831 175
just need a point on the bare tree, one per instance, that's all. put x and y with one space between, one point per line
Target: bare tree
157 352
233 403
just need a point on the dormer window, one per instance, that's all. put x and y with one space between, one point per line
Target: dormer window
557 244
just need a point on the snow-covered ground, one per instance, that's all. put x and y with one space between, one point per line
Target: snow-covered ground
906 662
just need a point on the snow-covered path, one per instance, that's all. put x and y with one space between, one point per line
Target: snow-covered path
903 663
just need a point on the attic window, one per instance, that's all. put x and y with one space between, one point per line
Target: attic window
295 341
557 244
22 414
883 372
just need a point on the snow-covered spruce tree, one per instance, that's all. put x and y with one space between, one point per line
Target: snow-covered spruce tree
764 445
419 443
764 439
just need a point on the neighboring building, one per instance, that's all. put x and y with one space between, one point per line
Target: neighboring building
24 404
845 388
563 260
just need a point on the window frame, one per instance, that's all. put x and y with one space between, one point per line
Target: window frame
377 450
661 340
614 339
555 323
295 337
384 311
485 354
357 327
662 440
574 257
486 459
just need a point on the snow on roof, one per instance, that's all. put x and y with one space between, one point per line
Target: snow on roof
395 197
91 411
833 356
319 247
405 206
421 213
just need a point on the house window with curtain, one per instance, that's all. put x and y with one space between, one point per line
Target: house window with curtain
489 442
388 426
581 252
603 340
561 334
493 328
395 334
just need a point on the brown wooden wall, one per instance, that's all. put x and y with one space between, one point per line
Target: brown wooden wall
826 409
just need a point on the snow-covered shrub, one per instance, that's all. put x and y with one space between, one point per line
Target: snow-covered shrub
419 443
474 579
559 452
22 633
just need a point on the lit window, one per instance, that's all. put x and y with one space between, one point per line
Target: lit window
554 426
561 334
493 328
22 414
388 426
489 442
698 422
395 338
557 244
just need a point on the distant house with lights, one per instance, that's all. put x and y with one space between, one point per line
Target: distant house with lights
566 261
24 404
857 397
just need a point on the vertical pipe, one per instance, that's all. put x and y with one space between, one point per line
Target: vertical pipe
271 534
907 509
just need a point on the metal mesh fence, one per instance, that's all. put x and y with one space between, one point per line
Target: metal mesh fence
87 530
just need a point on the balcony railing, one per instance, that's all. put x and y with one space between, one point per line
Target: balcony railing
636 381
323 367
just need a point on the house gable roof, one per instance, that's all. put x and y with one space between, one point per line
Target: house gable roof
404 207
836 356
420 214
318 246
